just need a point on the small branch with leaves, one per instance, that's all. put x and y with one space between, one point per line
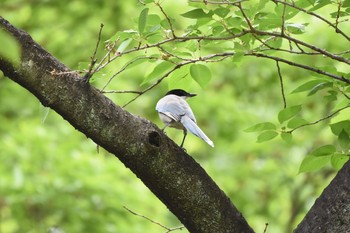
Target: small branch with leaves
250 39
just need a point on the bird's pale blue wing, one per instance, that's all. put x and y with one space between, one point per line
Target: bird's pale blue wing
175 107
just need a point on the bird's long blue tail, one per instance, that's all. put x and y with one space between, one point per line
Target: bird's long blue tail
193 128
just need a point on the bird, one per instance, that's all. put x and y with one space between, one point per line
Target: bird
175 112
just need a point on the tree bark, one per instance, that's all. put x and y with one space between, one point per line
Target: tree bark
171 174
331 211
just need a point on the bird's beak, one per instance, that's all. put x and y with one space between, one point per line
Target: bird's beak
192 95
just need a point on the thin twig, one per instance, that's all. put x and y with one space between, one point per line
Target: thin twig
168 19
169 40
152 221
102 63
220 2
318 121
305 67
122 92
283 19
179 65
338 15
281 83
312 47
89 74
265 229
124 68
344 94
239 5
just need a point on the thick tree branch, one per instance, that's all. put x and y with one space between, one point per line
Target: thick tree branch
171 174
331 211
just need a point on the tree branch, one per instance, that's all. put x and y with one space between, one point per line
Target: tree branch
331 211
281 84
319 120
305 67
89 74
165 168
292 5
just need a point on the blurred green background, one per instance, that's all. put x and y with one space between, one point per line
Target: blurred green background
52 177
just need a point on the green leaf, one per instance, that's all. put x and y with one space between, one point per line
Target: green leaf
269 21
261 127
324 151
124 45
344 114
201 74
123 35
288 113
287 12
267 136
320 5
217 30
9 48
158 71
344 140
275 43
143 20
195 14
339 14
221 12
340 126
338 160
287 137
313 163
165 23
305 3
319 86
262 4
179 78
192 46
238 56
296 122
234 22
308 86
135 62
295 28
332 96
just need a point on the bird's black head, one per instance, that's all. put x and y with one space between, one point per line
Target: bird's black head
180 92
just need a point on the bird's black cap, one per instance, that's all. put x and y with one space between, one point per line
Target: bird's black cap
180 92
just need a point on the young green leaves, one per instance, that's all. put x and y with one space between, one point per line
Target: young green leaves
201 74
142 20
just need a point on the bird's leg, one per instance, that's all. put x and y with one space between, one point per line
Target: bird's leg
183 140
165 127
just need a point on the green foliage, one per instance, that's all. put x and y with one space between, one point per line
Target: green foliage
267 136
196 14
261 126
317 159
158 70
143 20
288 113
201 74
53 176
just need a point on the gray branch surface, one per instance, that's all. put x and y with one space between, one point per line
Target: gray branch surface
171 174
331 211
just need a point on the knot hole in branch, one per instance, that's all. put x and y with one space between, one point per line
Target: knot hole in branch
154 138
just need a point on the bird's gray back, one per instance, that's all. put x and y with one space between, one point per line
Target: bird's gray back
176 106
